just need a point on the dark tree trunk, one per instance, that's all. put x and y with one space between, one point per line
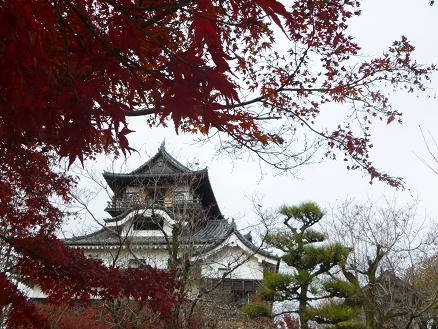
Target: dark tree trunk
304 319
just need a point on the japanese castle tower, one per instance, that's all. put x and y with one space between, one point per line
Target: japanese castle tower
163 203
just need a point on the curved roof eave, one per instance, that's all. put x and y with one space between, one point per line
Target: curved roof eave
129 210
248 244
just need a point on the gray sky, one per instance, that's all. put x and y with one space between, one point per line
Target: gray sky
396 146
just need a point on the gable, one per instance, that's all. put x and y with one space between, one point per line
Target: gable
236 241
162 163
234 263
158 166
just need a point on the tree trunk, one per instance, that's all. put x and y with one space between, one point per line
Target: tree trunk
369 307
304 320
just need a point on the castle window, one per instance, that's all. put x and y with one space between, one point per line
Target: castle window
131 196
182 194
243 289
137 263
238 290
142 223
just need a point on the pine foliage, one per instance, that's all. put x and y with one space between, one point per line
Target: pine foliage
310 283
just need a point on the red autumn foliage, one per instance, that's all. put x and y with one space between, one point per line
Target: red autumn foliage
73 70
123 314
34 256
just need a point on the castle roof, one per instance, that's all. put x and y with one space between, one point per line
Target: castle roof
210 233
206 237
163 167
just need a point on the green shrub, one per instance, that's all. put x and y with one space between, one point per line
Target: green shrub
257 309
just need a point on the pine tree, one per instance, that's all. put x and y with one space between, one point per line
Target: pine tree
309 282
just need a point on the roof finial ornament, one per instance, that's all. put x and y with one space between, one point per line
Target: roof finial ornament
163 145
248 236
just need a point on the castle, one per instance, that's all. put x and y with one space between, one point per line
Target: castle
163 214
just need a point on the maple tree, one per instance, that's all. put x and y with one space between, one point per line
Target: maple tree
120 313
74 70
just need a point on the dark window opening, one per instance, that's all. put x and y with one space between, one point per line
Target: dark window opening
180 196
240 291
156 196
243 290
142 223
132 196
137 263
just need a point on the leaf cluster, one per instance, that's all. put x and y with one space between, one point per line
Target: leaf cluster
336 314
307 213
260 309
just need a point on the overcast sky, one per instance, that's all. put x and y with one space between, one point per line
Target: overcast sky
396 150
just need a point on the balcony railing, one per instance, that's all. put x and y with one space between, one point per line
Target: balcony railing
122 204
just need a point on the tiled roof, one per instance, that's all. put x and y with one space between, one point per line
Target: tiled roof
211 232
211 235
146 167
161 164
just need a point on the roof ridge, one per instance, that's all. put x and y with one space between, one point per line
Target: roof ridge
162 151
89 235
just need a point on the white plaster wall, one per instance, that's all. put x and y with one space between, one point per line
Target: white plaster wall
245 266
156 257
36 292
